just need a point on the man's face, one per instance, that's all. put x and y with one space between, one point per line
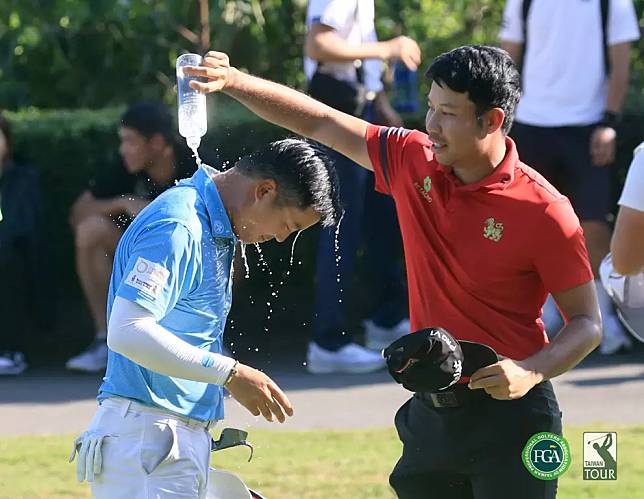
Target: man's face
134 149
452 126
264 219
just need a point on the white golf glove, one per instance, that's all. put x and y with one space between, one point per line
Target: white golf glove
90 460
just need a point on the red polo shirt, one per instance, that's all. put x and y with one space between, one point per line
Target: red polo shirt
481 258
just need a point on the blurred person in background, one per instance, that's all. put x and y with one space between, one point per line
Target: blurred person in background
627 244
344 67
152 160
23 257
622 271
575 77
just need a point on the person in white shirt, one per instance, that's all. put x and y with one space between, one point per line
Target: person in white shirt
575 77
627 244
622 271
343 64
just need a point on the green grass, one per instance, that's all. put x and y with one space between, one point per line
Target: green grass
305 465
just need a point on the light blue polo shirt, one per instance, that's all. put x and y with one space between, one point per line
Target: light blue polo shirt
175 260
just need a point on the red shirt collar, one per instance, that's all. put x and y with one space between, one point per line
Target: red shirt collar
501 178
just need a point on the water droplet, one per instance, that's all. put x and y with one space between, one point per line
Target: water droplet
243 255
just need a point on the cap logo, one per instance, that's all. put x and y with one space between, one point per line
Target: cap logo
443 337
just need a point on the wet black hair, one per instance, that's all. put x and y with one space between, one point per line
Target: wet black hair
486 74
149 118
304 174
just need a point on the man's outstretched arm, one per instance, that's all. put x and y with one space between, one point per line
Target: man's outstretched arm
285 107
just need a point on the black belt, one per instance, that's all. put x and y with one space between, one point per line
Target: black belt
454 396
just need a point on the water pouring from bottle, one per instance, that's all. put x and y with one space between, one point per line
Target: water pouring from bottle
191 106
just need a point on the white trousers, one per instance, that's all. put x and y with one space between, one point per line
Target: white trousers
150 453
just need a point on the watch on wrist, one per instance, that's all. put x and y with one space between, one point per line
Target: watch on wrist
610 119
231 375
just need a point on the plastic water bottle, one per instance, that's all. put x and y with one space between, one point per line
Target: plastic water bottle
193 119
405 97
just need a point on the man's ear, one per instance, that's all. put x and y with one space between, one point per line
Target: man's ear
157 142
492 120
266 190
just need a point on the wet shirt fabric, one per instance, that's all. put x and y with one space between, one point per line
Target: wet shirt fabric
481 258
175 260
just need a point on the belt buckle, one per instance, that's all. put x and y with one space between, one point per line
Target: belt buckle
444 399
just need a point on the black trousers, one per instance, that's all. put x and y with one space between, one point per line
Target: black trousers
473 451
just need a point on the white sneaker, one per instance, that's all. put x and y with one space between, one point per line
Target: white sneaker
351 358
377 338
614 338
12 363
92 360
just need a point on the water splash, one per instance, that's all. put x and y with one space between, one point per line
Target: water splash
290 263
275 293
245 260
338 257
195 154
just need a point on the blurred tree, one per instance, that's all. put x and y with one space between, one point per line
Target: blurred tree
75 53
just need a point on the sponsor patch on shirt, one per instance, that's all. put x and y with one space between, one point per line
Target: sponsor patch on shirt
148 276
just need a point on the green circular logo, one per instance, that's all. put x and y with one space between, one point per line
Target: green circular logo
546 455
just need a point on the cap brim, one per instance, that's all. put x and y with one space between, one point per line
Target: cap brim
476 356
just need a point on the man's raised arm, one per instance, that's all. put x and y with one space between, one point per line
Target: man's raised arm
285 107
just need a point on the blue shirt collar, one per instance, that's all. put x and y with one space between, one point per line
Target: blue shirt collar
219 222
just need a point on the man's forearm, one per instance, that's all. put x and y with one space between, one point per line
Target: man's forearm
134 333
617 88
618 78
335 49
573 343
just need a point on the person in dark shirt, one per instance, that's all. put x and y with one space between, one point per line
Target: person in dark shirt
24 301
152 160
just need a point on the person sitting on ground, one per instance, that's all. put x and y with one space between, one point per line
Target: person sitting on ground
152 161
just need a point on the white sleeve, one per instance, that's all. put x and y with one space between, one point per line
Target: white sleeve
133 332
512 23
372 68
622 22
633 192
333 13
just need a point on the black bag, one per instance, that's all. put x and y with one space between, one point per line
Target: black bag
342 95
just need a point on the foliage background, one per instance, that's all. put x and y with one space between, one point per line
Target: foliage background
108 52
68 68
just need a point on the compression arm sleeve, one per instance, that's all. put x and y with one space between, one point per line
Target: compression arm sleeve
134 333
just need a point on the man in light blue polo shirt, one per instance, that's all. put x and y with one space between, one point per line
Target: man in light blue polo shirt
170 294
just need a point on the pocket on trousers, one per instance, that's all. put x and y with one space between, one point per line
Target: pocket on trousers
157 444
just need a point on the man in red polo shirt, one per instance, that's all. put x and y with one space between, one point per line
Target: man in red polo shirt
486 238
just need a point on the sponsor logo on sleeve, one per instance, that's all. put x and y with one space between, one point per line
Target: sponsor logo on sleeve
148 277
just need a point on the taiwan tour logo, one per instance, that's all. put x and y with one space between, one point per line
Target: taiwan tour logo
546 455
600 456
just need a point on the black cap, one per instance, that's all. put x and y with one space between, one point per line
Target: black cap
431 359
